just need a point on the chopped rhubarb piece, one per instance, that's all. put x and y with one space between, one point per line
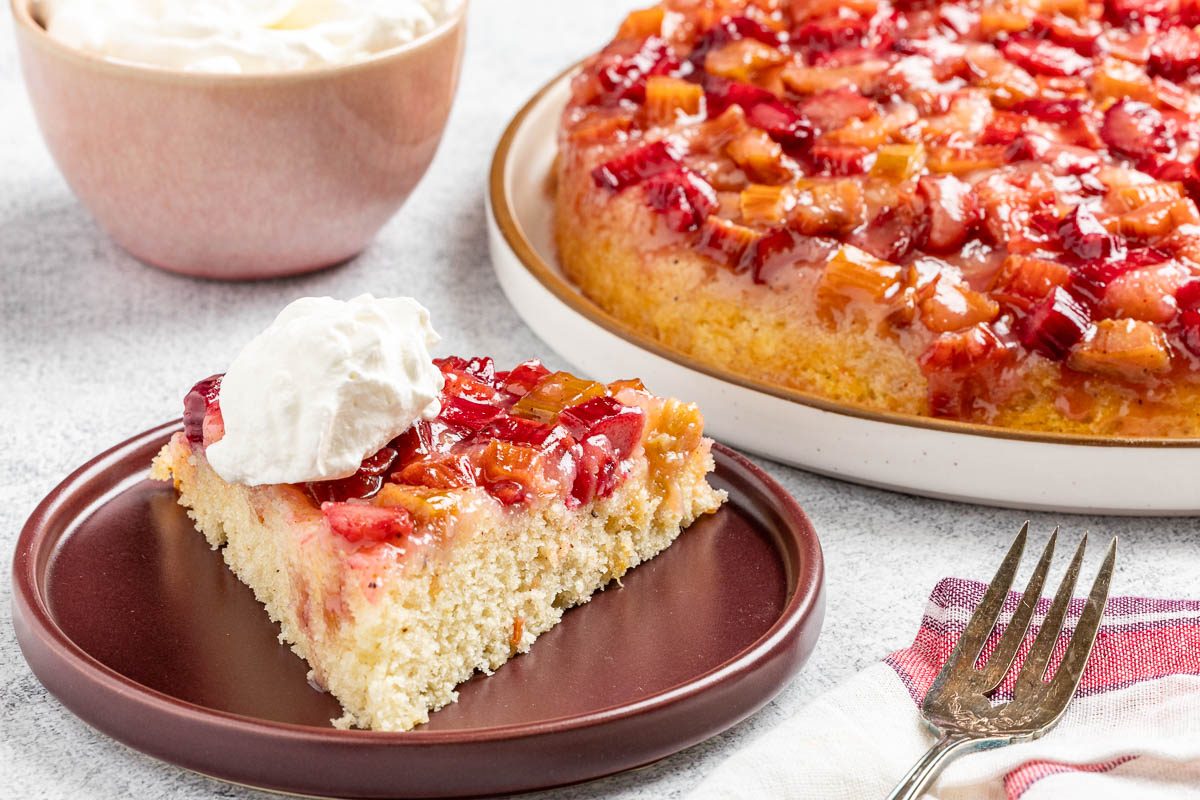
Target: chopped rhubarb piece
622 425
838 159
955 306
516 430
833 207
855 274
467 413
731 29
1091 278
626 80
1133 197
1064 159
682 196
962 368
1128 349
742 60
449 472
1030 278
760 156
1175 54
899 162
1055 325
781 122
642 23
1063 110
508 471
961 160
669 98
1146 293
727 242
761 204
521 378
1135 130
356 522
636 166
427 438
553 393
1004 127
996 18
1045 58
828 34
836 108
363 484
1189 330
720 94
1116 80
724 128
1151 221
1078 34
1083 235
895 231
196 403
953 212
1123 12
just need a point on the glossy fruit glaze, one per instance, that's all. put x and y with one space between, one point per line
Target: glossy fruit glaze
520 434
994 183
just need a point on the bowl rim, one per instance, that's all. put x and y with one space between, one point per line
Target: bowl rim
505 217
23 12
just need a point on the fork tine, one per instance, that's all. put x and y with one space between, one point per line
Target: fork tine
984 619
1002 657
1034 667
1066 678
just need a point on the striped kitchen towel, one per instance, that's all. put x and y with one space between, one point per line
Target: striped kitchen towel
1132 732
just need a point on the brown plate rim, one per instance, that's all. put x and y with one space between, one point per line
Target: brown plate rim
514 235
36 626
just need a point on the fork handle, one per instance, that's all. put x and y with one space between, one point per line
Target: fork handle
918 779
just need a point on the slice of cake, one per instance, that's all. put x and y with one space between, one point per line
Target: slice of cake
462 538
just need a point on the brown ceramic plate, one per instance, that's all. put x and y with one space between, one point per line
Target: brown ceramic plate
136 626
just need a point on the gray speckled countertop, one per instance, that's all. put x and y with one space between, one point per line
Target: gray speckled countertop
96 347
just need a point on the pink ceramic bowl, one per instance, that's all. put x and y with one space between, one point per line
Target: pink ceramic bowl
242 176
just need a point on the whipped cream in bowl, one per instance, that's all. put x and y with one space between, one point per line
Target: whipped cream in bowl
240 36
326 385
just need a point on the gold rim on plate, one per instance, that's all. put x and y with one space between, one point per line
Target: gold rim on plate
554 282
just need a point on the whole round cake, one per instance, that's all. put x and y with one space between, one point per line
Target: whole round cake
975 211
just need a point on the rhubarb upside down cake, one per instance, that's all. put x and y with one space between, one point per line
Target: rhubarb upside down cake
981 211
453 547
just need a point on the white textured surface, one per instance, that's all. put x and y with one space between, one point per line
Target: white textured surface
96 347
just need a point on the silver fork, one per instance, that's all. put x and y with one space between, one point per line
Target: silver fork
957 705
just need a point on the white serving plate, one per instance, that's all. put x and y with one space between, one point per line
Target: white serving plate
908 453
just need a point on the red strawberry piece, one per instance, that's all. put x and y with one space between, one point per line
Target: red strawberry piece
1064 159
196 403
1189 330
356 522
835 108
839 159
682 196
1083 235
1067 110
467 413
1045 58
953 212
1136 130
1175 53
781 122
1054 325
521 378
721 93
782 248
636 166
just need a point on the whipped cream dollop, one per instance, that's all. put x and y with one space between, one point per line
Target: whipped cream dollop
326 385
232 36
